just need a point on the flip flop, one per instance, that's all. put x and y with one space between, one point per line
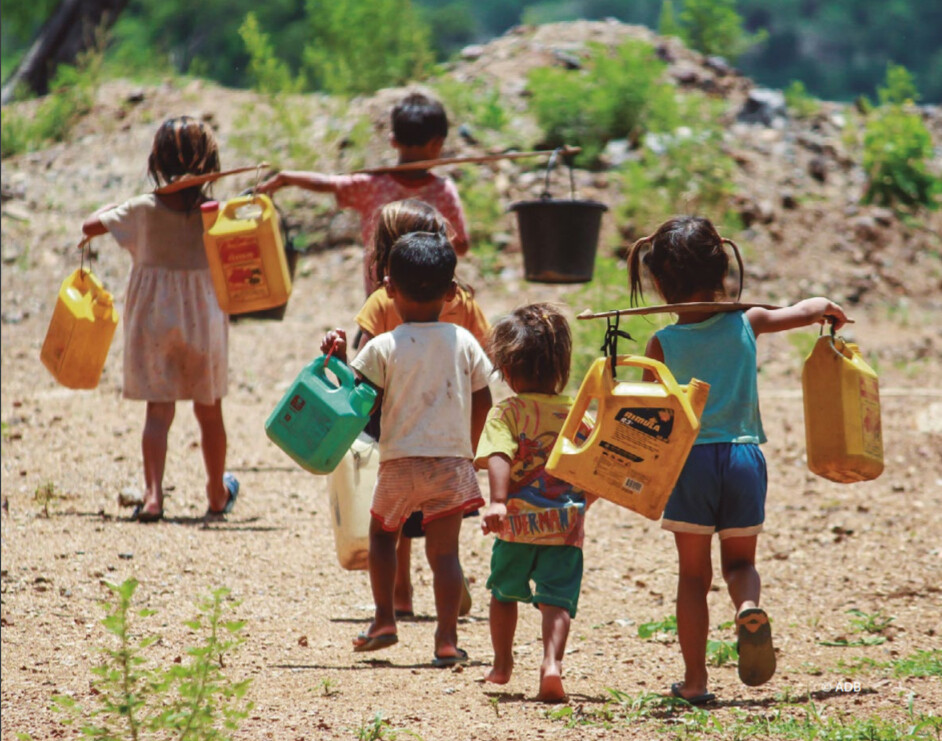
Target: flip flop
444 661
365 642
703 699
756 654
139 514
232 487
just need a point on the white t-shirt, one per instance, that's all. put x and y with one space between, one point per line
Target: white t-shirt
427 371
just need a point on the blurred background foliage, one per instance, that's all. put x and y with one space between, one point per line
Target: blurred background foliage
839 49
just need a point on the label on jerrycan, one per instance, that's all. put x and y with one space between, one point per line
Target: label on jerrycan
241 259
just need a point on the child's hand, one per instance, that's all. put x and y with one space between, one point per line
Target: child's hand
275 182
335 343
494 517
834 314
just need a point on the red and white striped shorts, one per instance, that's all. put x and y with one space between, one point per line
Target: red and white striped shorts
437 486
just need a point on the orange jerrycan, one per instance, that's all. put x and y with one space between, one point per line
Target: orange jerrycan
842 412
80 332
350 493
246 254
642 435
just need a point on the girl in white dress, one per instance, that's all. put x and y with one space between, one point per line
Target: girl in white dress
175 334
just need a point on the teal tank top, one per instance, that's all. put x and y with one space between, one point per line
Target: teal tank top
721 351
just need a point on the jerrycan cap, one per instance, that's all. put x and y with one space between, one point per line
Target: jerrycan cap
209 206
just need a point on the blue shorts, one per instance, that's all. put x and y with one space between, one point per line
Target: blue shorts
721 489
556 571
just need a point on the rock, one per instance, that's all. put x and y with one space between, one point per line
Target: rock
865 228
686 74
617 152
723 68
789 201
567 59
818 168
763 106
883 216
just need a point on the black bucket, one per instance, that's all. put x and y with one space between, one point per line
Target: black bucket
275 313
559 238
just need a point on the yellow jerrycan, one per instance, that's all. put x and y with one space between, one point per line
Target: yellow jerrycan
350 494
841 394
80 332
246 254
642 435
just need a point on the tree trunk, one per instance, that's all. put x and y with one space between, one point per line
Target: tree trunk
69 31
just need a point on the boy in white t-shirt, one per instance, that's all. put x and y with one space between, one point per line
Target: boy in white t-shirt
432 382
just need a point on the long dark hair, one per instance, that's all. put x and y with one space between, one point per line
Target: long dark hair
183 146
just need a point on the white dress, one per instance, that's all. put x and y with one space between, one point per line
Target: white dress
176 338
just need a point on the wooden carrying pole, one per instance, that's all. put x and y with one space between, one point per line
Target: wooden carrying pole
428 164
685 308
191 181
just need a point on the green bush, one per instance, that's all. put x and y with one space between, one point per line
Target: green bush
714 27
618 95
360 46
898 149
475 103
799 101
71 96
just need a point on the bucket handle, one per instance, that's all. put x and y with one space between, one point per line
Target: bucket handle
549 167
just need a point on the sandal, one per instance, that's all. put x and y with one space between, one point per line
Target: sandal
139 514
231 483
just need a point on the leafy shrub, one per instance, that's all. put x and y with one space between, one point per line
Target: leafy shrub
898 148
618 95
714 27
474 103
799 102
71 96
359 46
193 699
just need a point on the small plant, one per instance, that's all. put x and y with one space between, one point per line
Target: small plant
667 625
495 705
919 664
327 687
898 149
45 494
800 103
719 653
474 103
863 622
189 700
379 729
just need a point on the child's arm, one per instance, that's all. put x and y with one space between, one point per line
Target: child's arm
92 226
480 405
300 178
809 311
498 475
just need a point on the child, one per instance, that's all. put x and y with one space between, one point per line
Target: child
537 518
175 334
722 486
379 315
419 128
432 382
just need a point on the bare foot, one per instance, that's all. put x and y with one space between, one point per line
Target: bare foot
495 676
551 686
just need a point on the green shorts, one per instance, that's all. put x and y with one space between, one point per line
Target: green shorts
556 572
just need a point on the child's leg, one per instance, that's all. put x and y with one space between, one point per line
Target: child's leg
382 563
213 441
556 623
441 548
738 557
402 598
154 449
695 573
503 620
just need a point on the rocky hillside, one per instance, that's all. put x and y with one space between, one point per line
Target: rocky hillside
798 183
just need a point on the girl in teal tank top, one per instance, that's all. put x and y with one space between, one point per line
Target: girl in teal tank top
723 484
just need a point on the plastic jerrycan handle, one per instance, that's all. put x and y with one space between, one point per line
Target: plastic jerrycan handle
340 369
